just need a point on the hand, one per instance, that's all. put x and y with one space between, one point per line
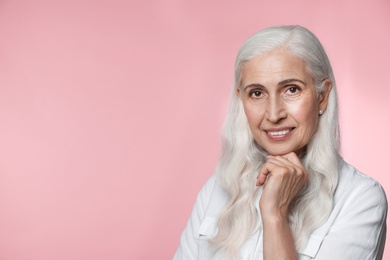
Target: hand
286 177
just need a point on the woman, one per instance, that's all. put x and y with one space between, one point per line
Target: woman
281 189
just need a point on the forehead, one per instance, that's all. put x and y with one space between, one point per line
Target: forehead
272 67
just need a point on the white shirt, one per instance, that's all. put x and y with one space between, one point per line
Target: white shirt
356 228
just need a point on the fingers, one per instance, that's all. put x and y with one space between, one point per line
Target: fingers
292 157
264 171
286 164
286 178
287 159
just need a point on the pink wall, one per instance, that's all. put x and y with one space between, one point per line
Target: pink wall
110 113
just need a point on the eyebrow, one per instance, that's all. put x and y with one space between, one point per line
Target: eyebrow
281 83
286 81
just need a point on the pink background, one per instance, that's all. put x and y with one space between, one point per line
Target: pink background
110 113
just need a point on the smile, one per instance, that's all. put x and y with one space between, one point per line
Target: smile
279 133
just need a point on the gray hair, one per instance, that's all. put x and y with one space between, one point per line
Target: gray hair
242 157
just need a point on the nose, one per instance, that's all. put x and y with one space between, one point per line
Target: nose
275 110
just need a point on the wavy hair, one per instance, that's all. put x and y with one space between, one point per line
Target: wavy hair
242 157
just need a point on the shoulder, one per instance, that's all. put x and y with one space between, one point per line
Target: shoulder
207 188
213 197
359 189
356 227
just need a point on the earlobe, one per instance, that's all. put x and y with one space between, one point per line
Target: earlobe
324 95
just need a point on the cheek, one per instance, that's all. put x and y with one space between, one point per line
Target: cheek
253 114
304 114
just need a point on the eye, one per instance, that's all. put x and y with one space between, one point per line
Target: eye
255 94
293 90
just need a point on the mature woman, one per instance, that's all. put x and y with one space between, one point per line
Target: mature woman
281 189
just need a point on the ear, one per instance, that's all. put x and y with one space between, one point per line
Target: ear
324 95
238 91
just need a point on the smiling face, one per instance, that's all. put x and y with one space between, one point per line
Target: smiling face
280 102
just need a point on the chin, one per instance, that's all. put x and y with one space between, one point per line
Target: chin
278 153
282 151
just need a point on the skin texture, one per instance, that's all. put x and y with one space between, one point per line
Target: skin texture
282 108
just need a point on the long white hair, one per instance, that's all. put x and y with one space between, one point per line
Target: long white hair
242 157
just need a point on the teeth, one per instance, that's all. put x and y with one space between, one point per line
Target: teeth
283 132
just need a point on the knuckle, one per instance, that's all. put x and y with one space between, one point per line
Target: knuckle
304 175
284 171
291 169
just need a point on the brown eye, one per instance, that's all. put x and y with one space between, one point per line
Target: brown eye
256 94
293 90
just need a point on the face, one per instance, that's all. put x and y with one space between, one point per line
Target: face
280 102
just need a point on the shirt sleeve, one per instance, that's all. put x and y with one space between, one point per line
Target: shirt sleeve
188 248
359 229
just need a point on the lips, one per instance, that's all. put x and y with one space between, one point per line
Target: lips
275 133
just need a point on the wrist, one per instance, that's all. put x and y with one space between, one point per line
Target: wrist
275 218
